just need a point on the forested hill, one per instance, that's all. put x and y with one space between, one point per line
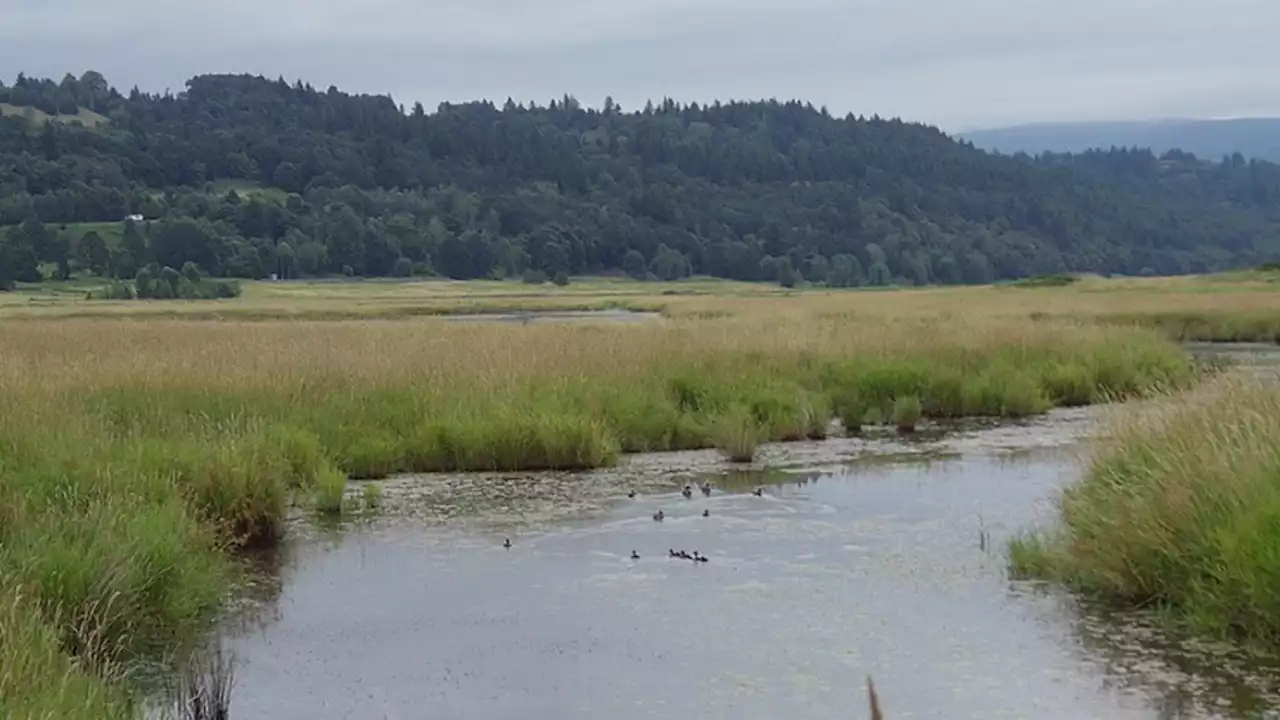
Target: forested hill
1251 137
246 176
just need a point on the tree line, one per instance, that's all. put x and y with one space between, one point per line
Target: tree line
245 177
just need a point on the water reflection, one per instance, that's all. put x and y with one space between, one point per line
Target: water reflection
867 555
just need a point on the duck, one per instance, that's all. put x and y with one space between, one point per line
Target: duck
758 492
507 543
699 558
672 553
706 489
706 513
635 555
632 494
687 492
658 516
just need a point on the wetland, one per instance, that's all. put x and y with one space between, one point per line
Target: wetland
866 555
328 500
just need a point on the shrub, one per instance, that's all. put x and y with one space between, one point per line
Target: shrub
1058 280
220 289
192 273
169 285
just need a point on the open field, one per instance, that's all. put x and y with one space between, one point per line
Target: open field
374 299
1240 306
135 455
37 117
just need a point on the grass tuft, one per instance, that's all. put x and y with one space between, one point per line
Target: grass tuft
38 679
738 433
331 487
1179 510
907 411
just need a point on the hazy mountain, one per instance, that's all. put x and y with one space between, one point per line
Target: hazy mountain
1209 139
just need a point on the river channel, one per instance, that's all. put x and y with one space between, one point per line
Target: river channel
861 556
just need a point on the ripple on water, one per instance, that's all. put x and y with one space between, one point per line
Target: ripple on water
848 565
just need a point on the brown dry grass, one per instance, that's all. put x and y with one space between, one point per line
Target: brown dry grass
1240 294
1086 299
86 353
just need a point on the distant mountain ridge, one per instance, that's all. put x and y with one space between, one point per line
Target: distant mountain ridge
1207 139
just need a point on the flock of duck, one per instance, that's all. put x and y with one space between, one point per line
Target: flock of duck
659 516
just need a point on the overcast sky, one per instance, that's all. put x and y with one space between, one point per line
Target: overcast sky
959 64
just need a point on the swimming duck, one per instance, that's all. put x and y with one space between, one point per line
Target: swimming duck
658 516
706 513
687 492
507 543
672 553
759 492
632 494
706 489
699 558
635 555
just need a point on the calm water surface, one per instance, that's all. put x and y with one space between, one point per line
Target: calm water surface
862 557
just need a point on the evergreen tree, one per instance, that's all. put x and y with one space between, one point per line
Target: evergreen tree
329 183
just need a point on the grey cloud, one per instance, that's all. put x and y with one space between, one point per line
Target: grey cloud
956 64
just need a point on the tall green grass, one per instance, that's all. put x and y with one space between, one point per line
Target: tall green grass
737 433
38 679
577 422
133 461
1179 511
